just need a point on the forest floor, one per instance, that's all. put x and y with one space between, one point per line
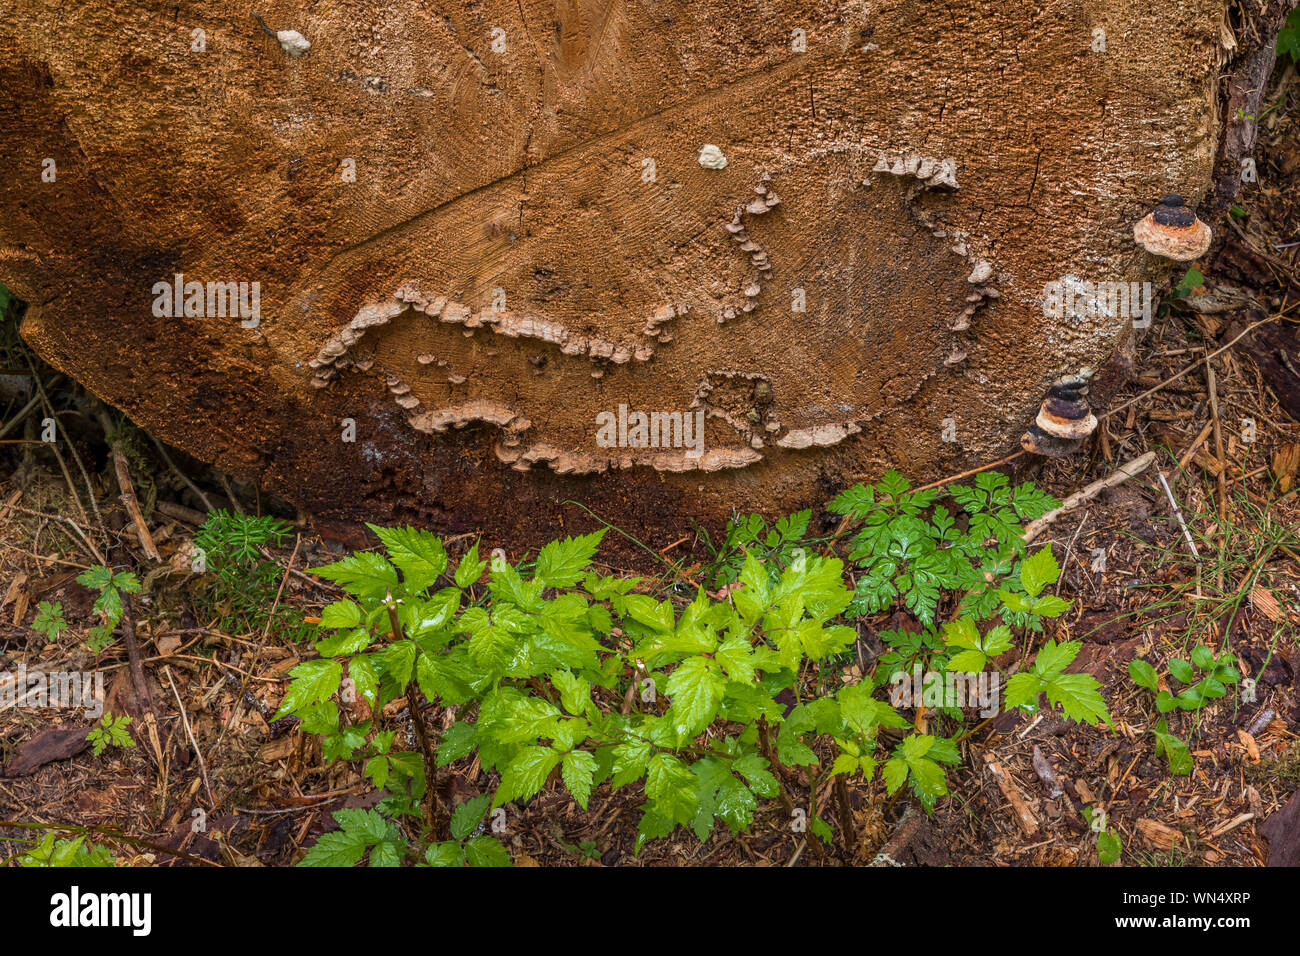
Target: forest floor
1226 436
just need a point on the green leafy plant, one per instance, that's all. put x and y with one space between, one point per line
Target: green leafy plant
530 656
359 831
1288 38
912 548
1173 748
49 620
751 534
1078 695
243 582
111 586
1189 283
78 852
558 672
1109 845
468 846
1219 672
110 732
369 831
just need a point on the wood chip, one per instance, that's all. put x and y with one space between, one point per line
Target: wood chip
1266 604
1232 824
1008 788
58 744
1247 741
1286 462
15 588
1159 835
281 749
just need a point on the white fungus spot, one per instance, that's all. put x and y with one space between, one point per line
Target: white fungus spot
711 157
293 42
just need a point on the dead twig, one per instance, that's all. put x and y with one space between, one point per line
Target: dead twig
1122 474
185 721
1008 788
1178 513
207 502
1197 364
129 499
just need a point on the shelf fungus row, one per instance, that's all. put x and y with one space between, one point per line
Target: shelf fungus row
764 199
335 355
1064 420
930 173
1173 231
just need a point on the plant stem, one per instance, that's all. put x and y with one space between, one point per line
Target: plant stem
111 833
765 748
433 803
846 814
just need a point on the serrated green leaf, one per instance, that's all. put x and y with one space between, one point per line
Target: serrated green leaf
672 787
97 578
485 851
735 654
563 563
1039 570
656 615
417 553
757 773
1078 696
695 688
1049 605
575 692
340 614
312 681
894 774
630 759
447 853
364 574
336 848
386 854
968 662
528 720
1016 602
467 816
525 774
578 767
470 568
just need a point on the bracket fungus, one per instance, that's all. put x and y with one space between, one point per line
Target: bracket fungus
1173 231
505 258
1064 420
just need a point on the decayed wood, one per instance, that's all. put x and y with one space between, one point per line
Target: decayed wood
1024 816
1122 474
474 231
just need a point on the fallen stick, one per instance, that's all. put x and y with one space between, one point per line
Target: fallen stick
1178 513
127 489
902 838
1119 476
185 721
1008 788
